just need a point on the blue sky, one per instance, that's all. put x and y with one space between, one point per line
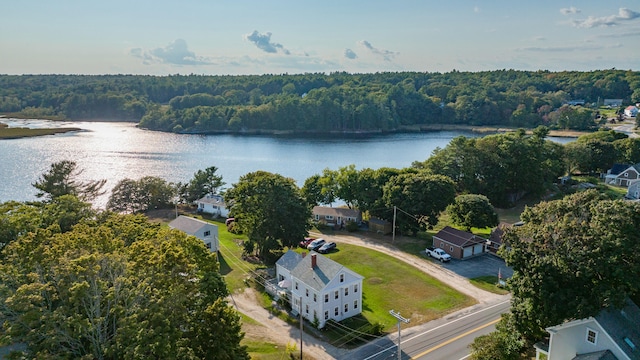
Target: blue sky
273 37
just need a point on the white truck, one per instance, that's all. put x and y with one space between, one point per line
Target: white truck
438 253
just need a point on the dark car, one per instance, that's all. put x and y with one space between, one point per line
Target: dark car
315 244
304 243
327 247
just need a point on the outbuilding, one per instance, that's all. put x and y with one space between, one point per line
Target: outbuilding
459 244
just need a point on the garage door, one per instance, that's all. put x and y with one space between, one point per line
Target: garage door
468 251
478 249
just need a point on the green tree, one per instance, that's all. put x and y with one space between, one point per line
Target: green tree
421 195
204 182
503 344
62 179
147 193
270 209
572 258
472 211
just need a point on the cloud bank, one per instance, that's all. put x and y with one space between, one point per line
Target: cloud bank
624 15
349 54
569 11
176 53
264 43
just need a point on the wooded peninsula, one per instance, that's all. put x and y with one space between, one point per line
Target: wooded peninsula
314 103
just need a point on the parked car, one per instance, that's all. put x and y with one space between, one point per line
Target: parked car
315 244
304 243
438 253
327 247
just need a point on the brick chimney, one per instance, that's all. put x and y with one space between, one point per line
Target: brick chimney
314 262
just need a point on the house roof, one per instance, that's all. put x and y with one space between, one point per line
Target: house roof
458 237
317 278
289 260
189 224
598 355
338 211
618 168
213 199
498 232
623 326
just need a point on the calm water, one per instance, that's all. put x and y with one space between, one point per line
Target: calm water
115 151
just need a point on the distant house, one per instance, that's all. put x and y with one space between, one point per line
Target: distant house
625 177
214 205
335 216
203 230
633 191
612 102
631 111
612 174
495 239
576 102
320 288
612 334
459 244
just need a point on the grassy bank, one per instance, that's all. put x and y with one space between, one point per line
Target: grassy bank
16 133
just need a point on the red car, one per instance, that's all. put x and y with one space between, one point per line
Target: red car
304 243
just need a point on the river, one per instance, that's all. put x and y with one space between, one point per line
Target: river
115 151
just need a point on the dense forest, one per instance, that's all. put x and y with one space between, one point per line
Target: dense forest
336 102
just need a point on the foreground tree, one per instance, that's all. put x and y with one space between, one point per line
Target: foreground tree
86 293
270 209
572 258
472 211
503 344
63 179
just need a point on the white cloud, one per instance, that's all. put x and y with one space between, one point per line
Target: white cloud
263 42
387 55
623 15
176 53
349 54
569 10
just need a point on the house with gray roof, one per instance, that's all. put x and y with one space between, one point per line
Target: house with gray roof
613 334
627 176
320 288
214 205
203 230
335 216
459 244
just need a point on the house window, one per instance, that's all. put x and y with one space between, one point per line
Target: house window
315 297
346 291
626 174
209 245
317 217
592 336
207 233
336 295
442 245
346 307
307 292
326 315
451 248
341 277
328 217
355 304
306 308
355 288
296 285
335 312
326 297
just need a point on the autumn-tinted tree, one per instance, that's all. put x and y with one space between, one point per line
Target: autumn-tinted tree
420 196
63 179
270 210
472 211
572 258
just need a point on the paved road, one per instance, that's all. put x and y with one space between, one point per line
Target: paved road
443 339
627 128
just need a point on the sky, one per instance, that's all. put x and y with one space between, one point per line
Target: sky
236 37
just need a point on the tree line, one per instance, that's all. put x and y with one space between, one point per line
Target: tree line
335 102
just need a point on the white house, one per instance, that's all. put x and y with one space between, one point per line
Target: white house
633 191
335 215
631 111
612 334
214 205
321 288
203 230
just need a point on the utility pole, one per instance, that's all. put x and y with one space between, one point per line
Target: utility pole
393 237
400 318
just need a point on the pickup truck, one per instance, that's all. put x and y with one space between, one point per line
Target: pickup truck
438 253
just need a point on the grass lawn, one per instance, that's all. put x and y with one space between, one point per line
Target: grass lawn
488 283
391 284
